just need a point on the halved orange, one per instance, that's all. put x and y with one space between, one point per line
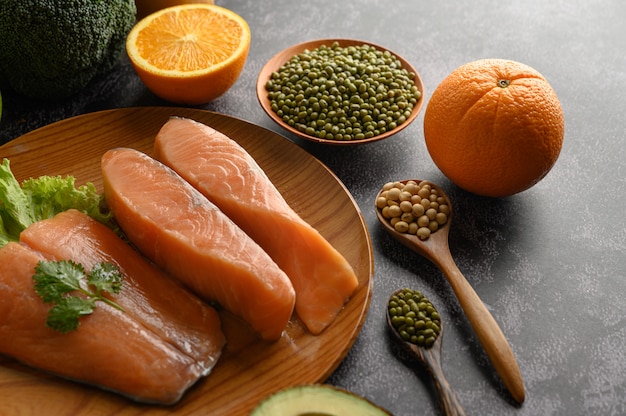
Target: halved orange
189 54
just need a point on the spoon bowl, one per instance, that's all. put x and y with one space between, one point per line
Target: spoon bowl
436 249
431 358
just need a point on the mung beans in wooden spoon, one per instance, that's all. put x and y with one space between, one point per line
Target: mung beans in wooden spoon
415 324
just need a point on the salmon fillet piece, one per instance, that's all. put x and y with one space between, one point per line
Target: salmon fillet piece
227 174
180 230
149 296
110 349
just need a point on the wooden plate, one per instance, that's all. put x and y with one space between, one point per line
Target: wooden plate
249 369
285 55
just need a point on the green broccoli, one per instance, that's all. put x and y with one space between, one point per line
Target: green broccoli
52 48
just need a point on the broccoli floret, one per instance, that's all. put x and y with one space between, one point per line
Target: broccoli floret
52 48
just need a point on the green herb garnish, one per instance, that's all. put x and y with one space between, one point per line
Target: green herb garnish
55 280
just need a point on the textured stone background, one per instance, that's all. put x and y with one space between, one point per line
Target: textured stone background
549 263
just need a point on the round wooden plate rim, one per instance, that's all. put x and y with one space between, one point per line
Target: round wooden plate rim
283 56
249 369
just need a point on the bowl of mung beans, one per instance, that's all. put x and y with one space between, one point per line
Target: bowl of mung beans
340 91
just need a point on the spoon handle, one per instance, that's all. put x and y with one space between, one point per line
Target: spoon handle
486 328
447 397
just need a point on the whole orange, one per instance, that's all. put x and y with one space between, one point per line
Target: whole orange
494 127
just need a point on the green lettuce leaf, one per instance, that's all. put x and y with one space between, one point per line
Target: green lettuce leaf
42 198
15 206
4 236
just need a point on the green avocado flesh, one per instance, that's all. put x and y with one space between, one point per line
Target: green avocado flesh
316 400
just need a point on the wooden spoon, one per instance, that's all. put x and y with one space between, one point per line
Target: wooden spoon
431 358
437 250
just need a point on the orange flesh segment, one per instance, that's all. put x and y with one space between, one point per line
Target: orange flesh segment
183 232
110 349
223 171
189 40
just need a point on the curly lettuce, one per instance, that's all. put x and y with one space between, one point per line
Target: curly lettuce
42 198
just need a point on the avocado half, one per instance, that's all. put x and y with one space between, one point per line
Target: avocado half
316 400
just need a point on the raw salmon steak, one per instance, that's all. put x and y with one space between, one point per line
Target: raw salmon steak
150 296
180 230
228 175
156 349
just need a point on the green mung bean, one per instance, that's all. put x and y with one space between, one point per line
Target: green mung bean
421 328
357 84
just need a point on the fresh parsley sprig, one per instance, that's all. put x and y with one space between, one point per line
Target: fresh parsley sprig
55 280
